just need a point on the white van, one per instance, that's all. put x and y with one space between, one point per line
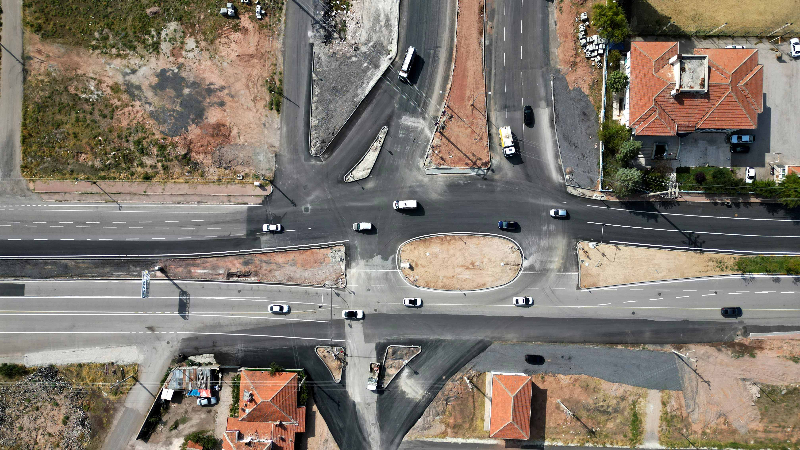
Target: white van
405 204
409 59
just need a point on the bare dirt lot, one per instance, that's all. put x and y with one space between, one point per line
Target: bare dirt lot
190 109
313 267
184 416
607 265
461 138
748 396
578 71
456 411
397 356
69 407
741 17
334 360
461 262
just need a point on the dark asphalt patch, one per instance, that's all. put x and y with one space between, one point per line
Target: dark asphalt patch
12 289
577 127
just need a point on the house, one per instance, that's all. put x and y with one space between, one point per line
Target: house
781 170
713 89
193 381
511 407
192 445
269 416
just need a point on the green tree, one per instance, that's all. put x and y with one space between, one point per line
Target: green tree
614 58
610 21
628 150
626 182
275 368
616 81
613 134
204 438
790 191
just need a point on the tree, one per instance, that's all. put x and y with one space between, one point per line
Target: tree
616 81
613 134
610 21
699 177
275 368
614 58
627 181
628 150
790 191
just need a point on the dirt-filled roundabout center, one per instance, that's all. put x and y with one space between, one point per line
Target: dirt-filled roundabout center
459 261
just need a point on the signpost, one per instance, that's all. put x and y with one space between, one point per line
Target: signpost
145 284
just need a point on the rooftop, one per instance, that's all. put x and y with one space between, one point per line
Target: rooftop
511 407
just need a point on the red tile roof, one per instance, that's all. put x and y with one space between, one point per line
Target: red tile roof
733 100
511 407
268 413
191 445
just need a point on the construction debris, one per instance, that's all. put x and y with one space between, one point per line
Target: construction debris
593 46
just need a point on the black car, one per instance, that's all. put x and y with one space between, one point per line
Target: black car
731 312
507 225
528 116
740 148
536 360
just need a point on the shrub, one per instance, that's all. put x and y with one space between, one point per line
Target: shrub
789 192
610 21
627 182
613 134
617 81
13 370
204 438
614 58
700 177
275 368
628 150
235 386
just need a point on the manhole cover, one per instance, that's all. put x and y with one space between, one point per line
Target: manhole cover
306 209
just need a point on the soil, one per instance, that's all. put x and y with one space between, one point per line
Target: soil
607 265
460 262
190 416
578 71
208 99
334 359
461 139
456 411
364 166
313 267
317 435
397 356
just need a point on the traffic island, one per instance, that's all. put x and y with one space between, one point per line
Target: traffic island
460 261
395 358
334 359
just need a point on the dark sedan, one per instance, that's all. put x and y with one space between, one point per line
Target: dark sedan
507 225
731 312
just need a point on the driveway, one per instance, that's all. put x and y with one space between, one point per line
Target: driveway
11 100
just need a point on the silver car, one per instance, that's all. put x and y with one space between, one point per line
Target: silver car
558 213
523 301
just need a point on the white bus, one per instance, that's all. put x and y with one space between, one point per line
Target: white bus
407 64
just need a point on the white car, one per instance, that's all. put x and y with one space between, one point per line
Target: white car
523 301
749 175
207 401
735 46
742 139
558 213
794 47
362 226
272 228
412 302
279 309
405 204
353 314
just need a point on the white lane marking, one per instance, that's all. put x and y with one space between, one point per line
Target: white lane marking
111 228
520 52
699 216
92 222
66 239
504 63
40 222
712 233
198 220
64 222
188 333
188 228
787 292
764 292
631 301
520 26
504 34
119 222
40 239
505 87
157 239
5 225
717 250
214 228
690 290
136 227
56 226
103 239
637 289
171 221
82 226
286 230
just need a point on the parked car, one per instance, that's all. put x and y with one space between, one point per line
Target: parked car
731 312
353 314
794 47
749 175
536 360
523 301
742 139
735 46
558 213
412 302
272 228
507 225
405 204
207 401
362 226
740 148
528 115
279 309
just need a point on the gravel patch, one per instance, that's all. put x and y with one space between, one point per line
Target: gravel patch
364 166
642 368
577 127
350 55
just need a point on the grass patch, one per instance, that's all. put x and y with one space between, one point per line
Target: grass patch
11 372
789 265
69 132
464 414
636 428
275 88
712 180
124 26
235 386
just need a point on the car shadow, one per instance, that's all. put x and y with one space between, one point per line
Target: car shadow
418 211
416 69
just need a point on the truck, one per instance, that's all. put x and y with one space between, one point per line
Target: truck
406 67
405 204
507 142
374 372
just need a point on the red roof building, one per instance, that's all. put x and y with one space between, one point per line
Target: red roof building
269 416
511 407
716 89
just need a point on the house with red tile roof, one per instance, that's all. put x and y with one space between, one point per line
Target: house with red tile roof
511 407
192 445
269 416
713 89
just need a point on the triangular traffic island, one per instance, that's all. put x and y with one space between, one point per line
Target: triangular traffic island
395 358
334 359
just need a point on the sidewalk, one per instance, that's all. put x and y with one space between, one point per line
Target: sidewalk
150 192
682 197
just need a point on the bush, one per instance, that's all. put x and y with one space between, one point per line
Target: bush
617 81
628 150
700 177
613 134
614 58
610 21
789 265
789 192
627 182
235 386
13 370
275 368
204 438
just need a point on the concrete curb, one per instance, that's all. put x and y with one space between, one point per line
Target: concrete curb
381 136
326 366
385 385
400 272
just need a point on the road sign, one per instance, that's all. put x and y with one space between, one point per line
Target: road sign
145 284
